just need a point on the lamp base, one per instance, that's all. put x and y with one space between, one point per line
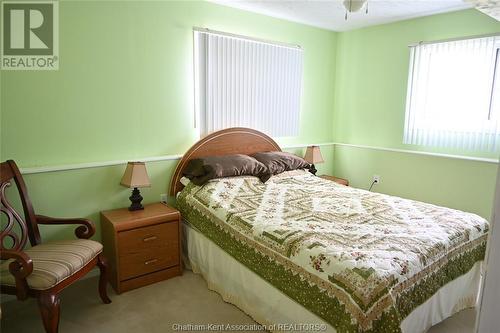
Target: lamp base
136 199
313 170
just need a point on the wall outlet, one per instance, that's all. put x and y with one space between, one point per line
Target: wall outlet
376 179
163 197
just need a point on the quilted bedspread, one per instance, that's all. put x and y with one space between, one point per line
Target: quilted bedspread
360 260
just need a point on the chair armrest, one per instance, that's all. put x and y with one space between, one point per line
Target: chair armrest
85 230
20 268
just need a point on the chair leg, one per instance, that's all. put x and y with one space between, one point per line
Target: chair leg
49 305
102 262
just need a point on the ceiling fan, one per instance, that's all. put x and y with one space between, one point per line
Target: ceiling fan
352 6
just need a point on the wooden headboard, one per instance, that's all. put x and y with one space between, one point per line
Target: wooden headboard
236 140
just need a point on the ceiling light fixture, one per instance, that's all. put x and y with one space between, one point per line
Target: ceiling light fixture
352 6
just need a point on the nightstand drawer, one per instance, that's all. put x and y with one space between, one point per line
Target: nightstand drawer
162 237
146 262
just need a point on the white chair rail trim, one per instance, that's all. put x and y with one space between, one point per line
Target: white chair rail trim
417 152
67 167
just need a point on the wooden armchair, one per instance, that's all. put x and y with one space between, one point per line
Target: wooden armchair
43 270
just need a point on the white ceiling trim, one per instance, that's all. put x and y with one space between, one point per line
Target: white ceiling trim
329 14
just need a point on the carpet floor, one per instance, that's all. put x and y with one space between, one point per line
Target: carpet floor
155 308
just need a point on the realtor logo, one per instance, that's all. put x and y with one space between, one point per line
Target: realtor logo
30 35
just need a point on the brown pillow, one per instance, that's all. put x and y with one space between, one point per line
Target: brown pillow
201 170
278 162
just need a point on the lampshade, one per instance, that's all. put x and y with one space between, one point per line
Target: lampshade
313 155
135 175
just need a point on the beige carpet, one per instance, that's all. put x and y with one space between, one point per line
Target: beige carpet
155 308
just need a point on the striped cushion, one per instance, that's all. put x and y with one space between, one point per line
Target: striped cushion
53 262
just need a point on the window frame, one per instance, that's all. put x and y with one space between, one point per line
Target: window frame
202 85
486 126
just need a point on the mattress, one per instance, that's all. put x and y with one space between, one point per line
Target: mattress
361 261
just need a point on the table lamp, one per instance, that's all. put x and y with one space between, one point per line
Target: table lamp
135 176
313 155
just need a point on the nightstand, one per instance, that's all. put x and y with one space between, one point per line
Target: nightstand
142 246
340 181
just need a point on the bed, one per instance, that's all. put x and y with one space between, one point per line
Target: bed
303 253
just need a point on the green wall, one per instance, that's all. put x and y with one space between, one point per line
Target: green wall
459 184
372 74
370 94
124 91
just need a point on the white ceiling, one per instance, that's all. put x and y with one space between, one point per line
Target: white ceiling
330 14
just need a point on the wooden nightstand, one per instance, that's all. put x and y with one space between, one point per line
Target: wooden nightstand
340 181
142 246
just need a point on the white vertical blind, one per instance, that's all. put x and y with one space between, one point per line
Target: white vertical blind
453 100
244 82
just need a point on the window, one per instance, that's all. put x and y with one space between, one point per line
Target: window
454 95
248 83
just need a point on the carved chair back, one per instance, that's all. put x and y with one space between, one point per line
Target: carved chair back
27 225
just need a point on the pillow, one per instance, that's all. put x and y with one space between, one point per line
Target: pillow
201 170
185 181
278 162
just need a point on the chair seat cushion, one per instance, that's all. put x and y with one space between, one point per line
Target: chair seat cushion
54 262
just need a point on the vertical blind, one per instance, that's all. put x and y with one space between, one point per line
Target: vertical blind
453 100
248 83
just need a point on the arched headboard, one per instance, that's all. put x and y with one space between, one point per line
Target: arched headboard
236 140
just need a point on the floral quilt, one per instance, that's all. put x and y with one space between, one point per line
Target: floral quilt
360 260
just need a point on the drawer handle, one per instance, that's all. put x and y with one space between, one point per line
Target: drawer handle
149 239
149 262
